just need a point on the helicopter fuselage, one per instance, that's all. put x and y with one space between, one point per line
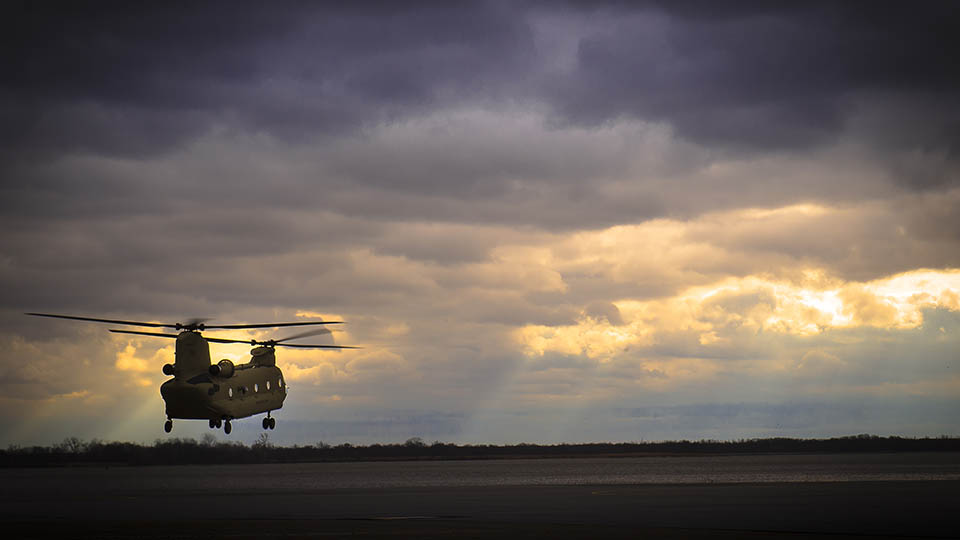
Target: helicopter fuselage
252 389
222 391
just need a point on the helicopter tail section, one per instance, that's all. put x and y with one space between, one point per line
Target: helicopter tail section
192 354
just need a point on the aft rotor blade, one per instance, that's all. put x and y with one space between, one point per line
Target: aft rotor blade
154 334
111 321
268 325
192 324
225 340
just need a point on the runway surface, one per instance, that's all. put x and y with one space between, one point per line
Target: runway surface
70 504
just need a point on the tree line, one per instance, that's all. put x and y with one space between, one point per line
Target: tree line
182 451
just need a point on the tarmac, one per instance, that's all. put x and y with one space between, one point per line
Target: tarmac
884 509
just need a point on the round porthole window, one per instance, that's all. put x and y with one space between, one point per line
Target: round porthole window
279 383
230 391
268 385
255 387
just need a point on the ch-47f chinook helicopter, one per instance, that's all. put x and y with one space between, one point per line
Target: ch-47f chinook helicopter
223 391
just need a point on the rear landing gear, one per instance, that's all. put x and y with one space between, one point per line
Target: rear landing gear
227 428
269 423
168 425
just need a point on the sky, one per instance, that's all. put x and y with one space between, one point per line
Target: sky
543 222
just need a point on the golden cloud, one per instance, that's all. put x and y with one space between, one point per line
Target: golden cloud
717 312
144 359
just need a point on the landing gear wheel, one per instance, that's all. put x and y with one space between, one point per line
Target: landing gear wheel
213 423
273 423
227 428
168 426
266 423
219 422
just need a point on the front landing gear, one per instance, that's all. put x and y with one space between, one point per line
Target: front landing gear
168 425
269 423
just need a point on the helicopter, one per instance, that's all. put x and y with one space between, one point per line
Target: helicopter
221 392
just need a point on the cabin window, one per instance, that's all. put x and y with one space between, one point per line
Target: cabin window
279 383
268 385
256 387
230 391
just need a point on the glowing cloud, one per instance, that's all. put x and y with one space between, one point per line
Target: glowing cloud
752 304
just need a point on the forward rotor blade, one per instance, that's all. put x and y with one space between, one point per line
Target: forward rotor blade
154 334
319 332
111 321
254 342
268 325
299 346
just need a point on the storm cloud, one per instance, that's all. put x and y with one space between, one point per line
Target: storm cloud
519 208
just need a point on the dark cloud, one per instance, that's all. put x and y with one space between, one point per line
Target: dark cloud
761 76
604 310
118 78
441 175
118 109
130 79
902 234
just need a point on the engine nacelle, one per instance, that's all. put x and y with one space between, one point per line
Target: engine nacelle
168 369
223 368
